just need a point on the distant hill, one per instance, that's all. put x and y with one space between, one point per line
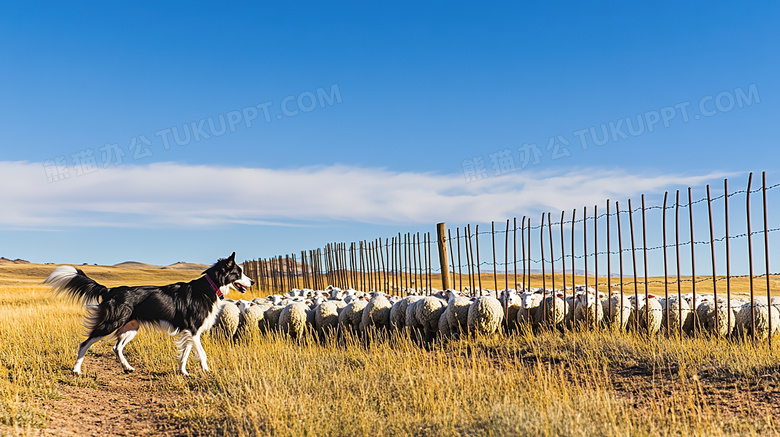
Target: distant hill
181 265
4 260
136 265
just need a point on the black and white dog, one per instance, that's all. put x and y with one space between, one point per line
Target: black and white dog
185 308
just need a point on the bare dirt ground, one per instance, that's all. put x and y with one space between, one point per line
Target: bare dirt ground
756 398
118 405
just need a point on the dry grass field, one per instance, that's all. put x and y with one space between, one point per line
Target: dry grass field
582 383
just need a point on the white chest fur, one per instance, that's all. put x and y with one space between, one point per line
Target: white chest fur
212 316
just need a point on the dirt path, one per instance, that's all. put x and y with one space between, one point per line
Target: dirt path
120 405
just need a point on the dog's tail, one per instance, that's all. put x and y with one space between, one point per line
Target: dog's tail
73 283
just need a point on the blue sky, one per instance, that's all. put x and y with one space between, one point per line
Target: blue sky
377 118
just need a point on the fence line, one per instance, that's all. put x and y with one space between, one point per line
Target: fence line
404 262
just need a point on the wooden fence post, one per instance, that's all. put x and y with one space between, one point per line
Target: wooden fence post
441 231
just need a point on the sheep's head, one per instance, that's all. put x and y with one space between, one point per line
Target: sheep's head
243 305
586 299
530 299
638 301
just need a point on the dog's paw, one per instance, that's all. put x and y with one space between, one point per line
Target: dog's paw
129 369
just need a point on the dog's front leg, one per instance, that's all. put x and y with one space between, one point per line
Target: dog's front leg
200 352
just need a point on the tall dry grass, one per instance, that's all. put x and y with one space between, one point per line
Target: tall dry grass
585 383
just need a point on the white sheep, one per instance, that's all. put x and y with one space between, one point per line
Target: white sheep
227 320
676 314
764 315
271 317
398 311
262 309
251 316
293 320
444 324
706 310
457 313
528 311
275 299
376 313
552 310
650 315
423 316
618 311
512 302
539 307
485 316
326 317
310 313
352 314
588 309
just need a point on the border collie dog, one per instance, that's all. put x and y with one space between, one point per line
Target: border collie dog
185 308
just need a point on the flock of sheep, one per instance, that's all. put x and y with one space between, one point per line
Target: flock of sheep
450 313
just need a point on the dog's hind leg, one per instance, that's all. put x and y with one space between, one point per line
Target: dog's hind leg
125 335
83 347
100 327
185 346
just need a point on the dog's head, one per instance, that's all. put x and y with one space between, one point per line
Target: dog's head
229 274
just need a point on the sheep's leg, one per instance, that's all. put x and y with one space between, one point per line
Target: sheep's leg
124 336
429 335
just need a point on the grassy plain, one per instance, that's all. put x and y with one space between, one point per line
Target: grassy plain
581 383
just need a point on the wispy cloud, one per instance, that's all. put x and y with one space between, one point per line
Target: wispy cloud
171 194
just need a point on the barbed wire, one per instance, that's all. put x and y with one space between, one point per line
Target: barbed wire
394 245
633 211
638 248
569 222
583 256
616 252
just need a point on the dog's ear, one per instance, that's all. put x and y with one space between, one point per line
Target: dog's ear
232 260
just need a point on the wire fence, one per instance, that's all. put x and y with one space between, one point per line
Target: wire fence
597 253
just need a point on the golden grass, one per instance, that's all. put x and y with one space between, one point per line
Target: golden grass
584 383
